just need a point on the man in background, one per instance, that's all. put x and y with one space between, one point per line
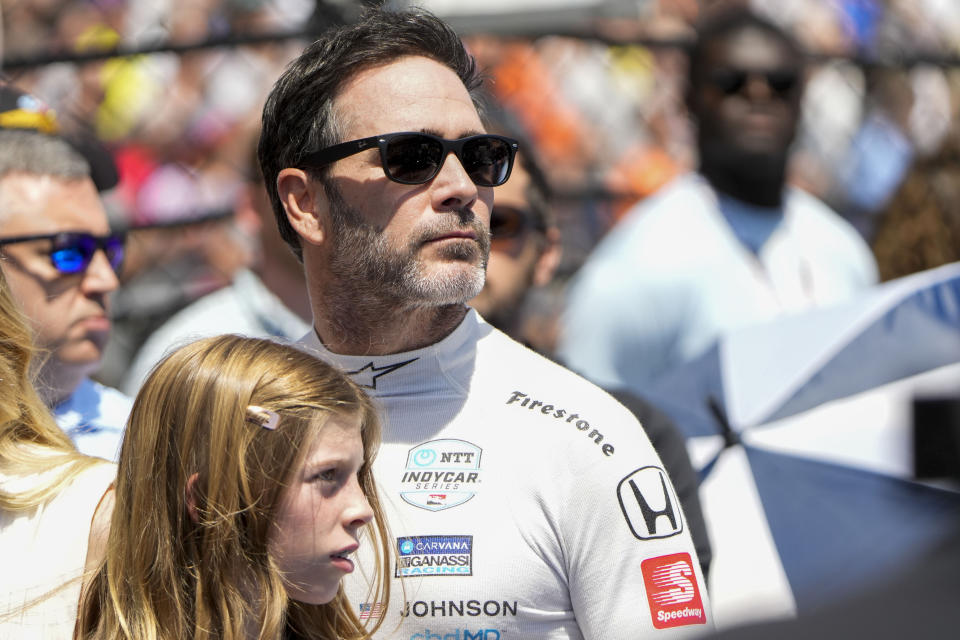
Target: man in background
728 246
267 300
61 260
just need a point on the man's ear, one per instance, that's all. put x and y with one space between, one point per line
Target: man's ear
191 497
305 204
549 258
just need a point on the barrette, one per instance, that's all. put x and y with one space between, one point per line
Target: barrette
262 417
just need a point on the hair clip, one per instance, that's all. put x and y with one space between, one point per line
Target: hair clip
262 417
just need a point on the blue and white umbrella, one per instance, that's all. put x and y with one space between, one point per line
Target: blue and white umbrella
801 429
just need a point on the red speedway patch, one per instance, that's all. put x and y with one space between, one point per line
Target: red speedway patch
672 591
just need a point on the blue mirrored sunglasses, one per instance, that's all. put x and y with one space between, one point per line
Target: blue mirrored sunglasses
72 251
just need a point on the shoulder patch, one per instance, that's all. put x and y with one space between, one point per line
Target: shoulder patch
672 591
649 504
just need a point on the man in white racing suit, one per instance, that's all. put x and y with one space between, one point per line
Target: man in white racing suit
523 501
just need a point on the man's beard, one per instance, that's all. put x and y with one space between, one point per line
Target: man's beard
370 272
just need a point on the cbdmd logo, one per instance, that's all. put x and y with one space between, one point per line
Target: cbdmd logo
672 591
435 556
441 474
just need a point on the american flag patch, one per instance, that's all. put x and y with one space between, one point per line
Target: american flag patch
371 610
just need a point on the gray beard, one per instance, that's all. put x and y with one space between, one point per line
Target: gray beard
369 279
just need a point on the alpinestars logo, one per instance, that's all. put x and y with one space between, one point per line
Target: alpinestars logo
649 504
368 374
672 591
441 474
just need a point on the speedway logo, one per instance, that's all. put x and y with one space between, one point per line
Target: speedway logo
672 591
441 474
435 556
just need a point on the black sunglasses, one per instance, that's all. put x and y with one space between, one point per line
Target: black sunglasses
72 251
732 81
510 222
416 158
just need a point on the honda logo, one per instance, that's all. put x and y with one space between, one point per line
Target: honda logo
649 504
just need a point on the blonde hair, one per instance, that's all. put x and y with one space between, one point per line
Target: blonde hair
31 442
167 577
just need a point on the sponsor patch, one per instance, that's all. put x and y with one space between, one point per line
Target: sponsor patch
458 634
434 556
560 415
649 504
672 591
441 474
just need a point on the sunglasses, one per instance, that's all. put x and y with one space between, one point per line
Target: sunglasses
732 81
72 251
416 158
511 222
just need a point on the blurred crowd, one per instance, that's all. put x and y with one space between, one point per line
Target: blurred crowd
606 113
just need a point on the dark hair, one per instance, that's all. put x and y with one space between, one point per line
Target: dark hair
722 23
298 116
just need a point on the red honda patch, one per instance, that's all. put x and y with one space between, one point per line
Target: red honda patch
672 591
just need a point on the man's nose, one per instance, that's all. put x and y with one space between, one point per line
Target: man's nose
99 276
452 187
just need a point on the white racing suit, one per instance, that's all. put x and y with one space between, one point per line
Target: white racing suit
523 501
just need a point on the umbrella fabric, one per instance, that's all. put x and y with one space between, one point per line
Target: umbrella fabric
801 431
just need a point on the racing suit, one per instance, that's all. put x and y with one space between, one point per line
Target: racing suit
523 501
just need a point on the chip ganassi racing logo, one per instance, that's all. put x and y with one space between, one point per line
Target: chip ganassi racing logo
435 556
441 474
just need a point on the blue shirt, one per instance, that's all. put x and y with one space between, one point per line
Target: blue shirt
94 416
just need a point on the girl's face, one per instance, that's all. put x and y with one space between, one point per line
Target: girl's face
321 513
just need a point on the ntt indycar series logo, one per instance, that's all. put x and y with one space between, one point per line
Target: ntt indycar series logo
441 474
435 556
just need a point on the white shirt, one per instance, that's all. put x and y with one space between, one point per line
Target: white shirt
44 549
95 416
673 276
246 307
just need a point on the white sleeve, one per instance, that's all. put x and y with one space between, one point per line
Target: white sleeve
632 567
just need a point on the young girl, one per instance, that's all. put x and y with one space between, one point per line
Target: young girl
244 485
48 494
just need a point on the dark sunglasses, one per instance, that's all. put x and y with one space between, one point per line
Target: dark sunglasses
72 251
732 81
508 222
415 158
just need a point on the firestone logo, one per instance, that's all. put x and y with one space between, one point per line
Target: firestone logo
441 474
